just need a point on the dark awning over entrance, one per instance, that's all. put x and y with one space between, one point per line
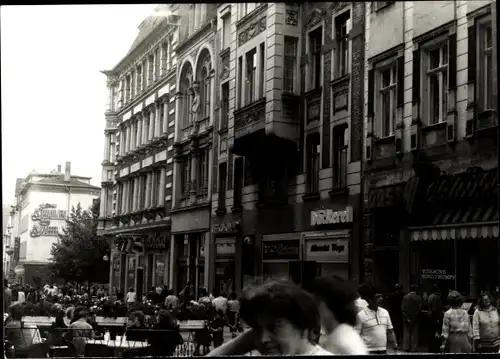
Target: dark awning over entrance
463 205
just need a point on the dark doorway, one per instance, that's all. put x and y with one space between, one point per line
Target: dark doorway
140 283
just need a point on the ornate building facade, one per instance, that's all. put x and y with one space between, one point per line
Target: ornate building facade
137 178
195 116
288 142
431 142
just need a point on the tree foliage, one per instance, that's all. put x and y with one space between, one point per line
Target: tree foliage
78 254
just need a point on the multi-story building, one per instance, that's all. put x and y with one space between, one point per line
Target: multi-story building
137 169
288 144
431 145
7 240
196 109
43 202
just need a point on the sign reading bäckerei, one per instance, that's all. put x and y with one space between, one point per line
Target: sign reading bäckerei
327 250
328 216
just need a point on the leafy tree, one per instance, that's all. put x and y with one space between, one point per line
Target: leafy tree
78 254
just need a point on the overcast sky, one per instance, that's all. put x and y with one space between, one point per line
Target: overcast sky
53 95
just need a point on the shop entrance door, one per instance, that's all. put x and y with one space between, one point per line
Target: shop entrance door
224 276
140 283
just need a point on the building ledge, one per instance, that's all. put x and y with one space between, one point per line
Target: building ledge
191 207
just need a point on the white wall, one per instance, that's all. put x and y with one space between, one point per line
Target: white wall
38 248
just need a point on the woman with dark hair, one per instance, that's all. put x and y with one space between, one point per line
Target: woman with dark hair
165 335
485 326
338 314
137 331
457 330
282 318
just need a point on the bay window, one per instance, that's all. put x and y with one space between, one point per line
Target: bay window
290 64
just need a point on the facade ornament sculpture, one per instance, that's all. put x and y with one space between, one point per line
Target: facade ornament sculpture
195 104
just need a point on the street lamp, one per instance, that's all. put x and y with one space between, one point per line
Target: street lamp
105 258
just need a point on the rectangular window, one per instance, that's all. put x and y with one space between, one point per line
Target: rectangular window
203 173
157 63
377 5
119 198
131 195
132 84
262 64
387 99
224 106
238 181
226 31
185 177
247 8
143 180
240 82
290 64
313 165
342 28
251 59
315 43
222 184
340 141
161 118
485 83
437 83
151 62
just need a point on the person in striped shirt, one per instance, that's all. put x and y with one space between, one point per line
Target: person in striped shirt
375 326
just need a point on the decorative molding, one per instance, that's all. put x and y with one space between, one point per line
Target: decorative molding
316 16
292 17
252 30
339 5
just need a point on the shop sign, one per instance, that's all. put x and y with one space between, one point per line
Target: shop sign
225 227
225 246
276 250
328 250
155 243
437 274
329 216
43 216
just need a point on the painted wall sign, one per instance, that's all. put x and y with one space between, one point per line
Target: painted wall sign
327 250
329 216
225 246
276 250
47 212
43 216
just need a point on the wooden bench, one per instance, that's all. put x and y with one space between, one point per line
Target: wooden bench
111 322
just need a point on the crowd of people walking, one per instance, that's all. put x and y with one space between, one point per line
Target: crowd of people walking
330 317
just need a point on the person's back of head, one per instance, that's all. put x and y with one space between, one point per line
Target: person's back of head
171 292
364 290
233 296
413 288
338 295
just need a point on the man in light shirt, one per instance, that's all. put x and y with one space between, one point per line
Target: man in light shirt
375 326
221 302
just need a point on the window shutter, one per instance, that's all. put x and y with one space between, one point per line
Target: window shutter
416 76
452 59
400 80
471 73
371 90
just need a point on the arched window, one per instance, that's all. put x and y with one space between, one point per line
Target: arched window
186 97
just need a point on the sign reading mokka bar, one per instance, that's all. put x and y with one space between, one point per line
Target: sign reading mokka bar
329 216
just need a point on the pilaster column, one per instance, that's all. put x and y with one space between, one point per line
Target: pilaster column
165 117
157 122
256 94
102 208
124 197
151 123
145 121
132 135
107 142
161 191
122 141
139 132
135 201
148 190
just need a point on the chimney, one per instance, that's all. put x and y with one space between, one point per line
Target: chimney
67 172
58 168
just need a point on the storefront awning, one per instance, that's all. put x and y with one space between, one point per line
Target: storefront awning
473 231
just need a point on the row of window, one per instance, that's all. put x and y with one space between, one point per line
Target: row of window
141 130
251 76
151 69
139 193
435 78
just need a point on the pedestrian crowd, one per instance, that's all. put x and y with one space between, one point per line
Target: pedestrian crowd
280 317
